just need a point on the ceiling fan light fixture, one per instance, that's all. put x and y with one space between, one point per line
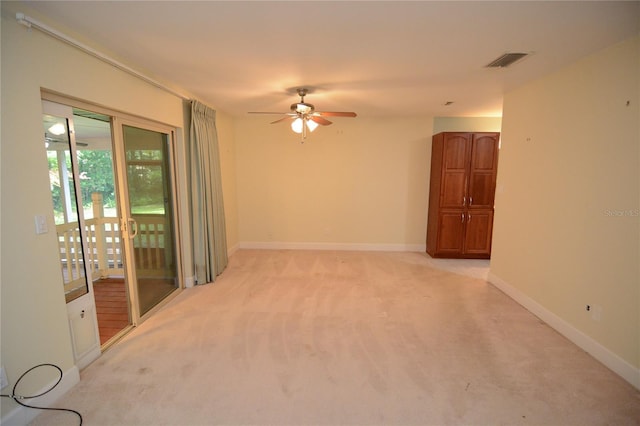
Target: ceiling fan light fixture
305 118
296 125
57 129
311 125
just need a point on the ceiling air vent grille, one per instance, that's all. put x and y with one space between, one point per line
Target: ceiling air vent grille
506 60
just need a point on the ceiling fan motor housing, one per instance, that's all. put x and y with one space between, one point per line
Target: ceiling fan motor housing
302 108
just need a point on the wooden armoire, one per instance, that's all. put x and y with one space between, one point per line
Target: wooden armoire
461 194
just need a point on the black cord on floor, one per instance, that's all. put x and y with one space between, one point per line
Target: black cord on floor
17 398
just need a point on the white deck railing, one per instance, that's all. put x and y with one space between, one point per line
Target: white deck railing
104 247
70 249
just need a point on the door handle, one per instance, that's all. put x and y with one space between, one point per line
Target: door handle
469 214
462 217
134 226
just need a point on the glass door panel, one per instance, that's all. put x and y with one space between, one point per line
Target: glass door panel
65 206
151 219
80 157
98 188
61 145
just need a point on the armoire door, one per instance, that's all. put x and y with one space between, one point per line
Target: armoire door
478 228
483 168
451 235
455 164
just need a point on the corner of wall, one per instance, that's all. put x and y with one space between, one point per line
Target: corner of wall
20 415
612 361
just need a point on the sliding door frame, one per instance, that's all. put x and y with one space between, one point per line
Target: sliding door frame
118 123
119 118
81 311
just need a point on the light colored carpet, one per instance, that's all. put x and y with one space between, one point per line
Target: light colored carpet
327 338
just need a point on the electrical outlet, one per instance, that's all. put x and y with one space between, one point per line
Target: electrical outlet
3 378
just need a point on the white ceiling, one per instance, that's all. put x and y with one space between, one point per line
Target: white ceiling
383 58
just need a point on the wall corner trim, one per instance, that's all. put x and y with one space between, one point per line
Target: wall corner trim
614 362
232 250
22 416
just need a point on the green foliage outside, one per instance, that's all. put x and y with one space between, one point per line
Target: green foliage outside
144 174
96 175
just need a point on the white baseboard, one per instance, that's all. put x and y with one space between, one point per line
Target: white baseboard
189 281
232 250
20 415
621 367
331 246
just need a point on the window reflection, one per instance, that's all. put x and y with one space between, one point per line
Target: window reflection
65 206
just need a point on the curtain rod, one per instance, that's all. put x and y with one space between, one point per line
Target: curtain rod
32 23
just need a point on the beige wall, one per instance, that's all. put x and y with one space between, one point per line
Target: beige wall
226 146
33 316
34 325
360 182
464 124
567 230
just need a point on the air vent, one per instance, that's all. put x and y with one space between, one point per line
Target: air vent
506 60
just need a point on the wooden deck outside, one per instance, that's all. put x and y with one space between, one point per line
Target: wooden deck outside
111 302
111 307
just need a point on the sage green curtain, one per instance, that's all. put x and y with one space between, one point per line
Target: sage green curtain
207 207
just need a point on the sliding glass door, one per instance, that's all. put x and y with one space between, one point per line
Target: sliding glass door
111 178
73 234
149 212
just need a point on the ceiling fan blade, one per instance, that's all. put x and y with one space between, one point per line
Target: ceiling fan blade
320 120
280 119
276 113
336 114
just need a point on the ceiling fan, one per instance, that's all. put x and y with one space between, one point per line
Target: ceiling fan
65 142
304 116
